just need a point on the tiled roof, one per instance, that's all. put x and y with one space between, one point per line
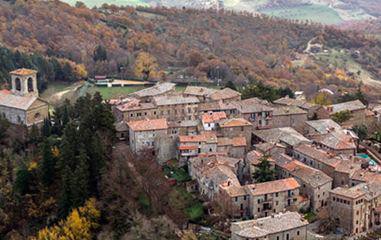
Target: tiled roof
23 72
262 227
188 147
338 140
222 94
281 185
173 100
323 126
348 106
254 157
10 100
318 155
148 124
158 89
295 102
234 122
198 91
253 105
281 135
133 105
203 137
233 190
288 110
235 142
309 175
213 117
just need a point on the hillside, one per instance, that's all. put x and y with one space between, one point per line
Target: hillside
200 43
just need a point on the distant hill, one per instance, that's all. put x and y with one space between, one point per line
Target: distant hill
323 11
201 43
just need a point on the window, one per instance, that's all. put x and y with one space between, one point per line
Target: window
30 85
298 233
259 209
276 194
244 197
131 115
154 112
37 116
236 199
241 206
18 84
259 201
287 236
138 114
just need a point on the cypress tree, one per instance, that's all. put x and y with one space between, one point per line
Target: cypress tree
48 164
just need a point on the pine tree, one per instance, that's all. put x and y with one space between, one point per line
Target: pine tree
21 185
80 179
46 129
100 54
48 164
264 171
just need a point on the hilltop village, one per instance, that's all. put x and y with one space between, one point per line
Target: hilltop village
265 163
268 165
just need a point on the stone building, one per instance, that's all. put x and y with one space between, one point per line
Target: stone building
192 145
234 147
224 95
22 104
272 197
289 116
356 209
185 127
210 121
160 89
256 111
322 126
313 183
134 109
282 226
145 134
201 93
176 107
310 108
339 142
236 127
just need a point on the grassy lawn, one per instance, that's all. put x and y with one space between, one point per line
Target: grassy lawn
98 3
114 92
316 13
195 212
180 174
184 201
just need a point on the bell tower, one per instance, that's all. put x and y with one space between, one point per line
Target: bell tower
24 82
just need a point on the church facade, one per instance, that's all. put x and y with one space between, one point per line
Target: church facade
22 105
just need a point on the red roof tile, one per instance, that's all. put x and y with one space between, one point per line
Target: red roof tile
148 124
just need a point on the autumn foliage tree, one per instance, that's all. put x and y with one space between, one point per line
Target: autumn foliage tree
146 66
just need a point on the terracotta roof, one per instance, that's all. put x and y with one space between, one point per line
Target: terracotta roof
273 186
253 105
222 94
233 190
23 72
337 140
235 142
254 157
148 124
318 155
187 147
10 100
198 91
213 117
134 104
203 137
309 175
235 122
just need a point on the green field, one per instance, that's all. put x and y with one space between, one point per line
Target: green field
114 92
98 3
317 13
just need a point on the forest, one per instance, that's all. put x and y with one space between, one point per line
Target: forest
163 43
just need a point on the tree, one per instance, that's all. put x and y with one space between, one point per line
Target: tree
23 177
79 225
342 116
231 85
361 131
146 66
322 99
100 54
48 163
264 171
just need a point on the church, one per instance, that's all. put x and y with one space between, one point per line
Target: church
22 105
